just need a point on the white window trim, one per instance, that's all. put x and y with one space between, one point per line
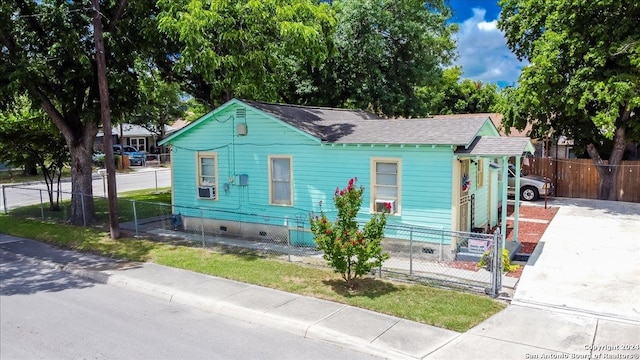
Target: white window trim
137 141
200 155
270 161
372 185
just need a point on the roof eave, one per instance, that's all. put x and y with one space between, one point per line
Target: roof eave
197 122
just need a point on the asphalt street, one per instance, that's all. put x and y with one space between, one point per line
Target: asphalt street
17 195
49 314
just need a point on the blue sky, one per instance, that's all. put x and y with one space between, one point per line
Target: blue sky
482 48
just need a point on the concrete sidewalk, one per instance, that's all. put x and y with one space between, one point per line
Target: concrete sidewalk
588 261
363 330
521 332
516 333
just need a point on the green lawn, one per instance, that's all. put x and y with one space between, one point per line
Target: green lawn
15 176
148 204
449 309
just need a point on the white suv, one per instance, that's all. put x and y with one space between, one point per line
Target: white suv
531 186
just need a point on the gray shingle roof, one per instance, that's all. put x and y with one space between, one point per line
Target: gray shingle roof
497 146
344 126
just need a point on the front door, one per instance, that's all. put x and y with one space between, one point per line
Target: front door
139 143
463 208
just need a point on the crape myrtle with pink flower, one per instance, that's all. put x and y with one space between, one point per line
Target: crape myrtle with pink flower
351 251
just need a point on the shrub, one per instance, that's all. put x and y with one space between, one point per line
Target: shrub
350 251
98 160
506 263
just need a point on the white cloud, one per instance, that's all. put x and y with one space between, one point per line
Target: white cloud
483 51
488 26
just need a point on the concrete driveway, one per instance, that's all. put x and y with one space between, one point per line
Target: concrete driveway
588 261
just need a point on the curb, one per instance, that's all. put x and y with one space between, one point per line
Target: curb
314 331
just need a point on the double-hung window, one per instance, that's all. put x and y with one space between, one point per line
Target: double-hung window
207 176
480 173
280 180
386 185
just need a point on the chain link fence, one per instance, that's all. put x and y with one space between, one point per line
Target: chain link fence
417 253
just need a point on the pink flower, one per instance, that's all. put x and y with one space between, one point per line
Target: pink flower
388 205
328 231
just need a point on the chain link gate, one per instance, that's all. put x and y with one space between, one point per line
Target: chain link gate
417 253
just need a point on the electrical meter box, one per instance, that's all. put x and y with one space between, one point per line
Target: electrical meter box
244 179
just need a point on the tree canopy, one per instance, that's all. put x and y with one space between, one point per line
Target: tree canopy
450 95
161 101
48 52
28 137
382 51
583 80
243 48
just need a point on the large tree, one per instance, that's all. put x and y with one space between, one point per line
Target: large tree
161 101
583 80
451 95
239 48
47 51
28 137
383 50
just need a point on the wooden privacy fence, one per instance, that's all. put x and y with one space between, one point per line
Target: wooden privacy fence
579 178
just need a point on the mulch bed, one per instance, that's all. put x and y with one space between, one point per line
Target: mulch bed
464 265
529 234
534 212
516 273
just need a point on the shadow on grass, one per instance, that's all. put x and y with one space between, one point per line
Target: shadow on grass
124 249
146 205
236 252
364 287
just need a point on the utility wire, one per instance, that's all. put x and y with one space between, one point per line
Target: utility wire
66 11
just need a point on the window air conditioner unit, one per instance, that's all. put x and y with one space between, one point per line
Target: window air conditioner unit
380 206
207 192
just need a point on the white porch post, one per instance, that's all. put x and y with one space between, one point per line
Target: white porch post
505 186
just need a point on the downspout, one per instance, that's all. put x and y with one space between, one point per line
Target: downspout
516 208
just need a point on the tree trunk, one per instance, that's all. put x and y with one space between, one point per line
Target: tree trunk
82 206
31 169
607 187
79 136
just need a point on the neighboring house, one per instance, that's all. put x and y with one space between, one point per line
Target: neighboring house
560 148
134 135
179 124
283 160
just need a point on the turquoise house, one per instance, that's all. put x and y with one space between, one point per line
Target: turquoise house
249 162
